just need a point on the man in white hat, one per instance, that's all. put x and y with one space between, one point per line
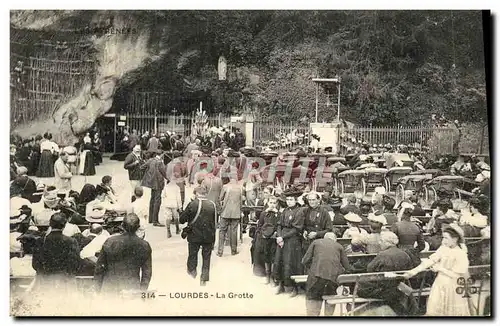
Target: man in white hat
371 242
62 172
48 206
353 230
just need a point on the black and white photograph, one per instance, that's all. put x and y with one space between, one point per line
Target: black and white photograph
271 163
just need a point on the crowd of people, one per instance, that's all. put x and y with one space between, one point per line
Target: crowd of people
294 230
39 154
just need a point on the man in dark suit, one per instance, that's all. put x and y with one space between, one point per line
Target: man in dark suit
326 260
57 259
391 258
133 163
202 233
154 178
124 263
417 209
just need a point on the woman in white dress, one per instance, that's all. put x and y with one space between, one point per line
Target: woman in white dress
46 165
451 263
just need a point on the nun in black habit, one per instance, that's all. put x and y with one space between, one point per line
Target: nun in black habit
289 243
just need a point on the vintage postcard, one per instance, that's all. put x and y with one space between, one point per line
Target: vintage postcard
249 163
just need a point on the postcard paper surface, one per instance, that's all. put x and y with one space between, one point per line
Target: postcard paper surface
248 163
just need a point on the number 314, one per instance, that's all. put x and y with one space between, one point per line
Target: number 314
148 295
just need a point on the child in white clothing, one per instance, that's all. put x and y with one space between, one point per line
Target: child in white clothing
171 204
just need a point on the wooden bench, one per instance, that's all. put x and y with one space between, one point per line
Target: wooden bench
342 227
468 241
356 303
368 257
252 208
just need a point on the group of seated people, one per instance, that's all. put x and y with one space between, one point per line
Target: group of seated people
90 217
291 220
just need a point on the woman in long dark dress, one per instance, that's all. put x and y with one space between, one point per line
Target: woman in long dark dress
35 156
97 149
289 241
24 154
87 165
46 165
265 240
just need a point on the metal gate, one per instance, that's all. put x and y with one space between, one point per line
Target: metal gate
280 136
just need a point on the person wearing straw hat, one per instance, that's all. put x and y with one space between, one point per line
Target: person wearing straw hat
353 229
390 258
50 204
96 216
472 219
23 266
451 263
16 199
15 231
371 242
62 172
289 250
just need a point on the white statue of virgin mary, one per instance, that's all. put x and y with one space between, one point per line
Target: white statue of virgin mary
222 68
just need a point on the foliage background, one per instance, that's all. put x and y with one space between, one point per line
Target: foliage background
397 67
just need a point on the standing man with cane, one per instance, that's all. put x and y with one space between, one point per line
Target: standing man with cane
133 163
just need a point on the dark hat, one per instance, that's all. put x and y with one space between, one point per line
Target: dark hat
292 192
114 219
101 190
301 153
233 153
333 201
